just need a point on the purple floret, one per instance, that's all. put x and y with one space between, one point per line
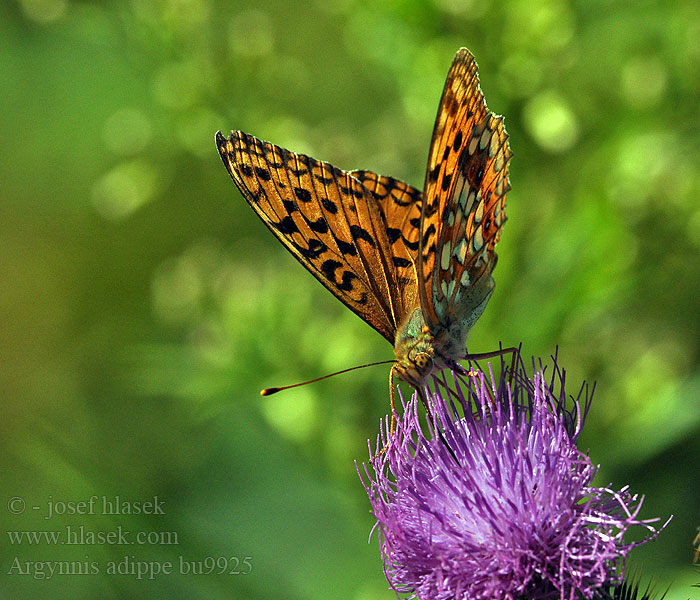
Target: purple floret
499 504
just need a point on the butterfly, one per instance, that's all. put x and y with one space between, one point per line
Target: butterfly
416 266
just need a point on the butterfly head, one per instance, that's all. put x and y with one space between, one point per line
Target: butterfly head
415 351
415 369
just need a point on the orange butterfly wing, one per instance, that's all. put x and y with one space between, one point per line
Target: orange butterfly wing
327 219
464 202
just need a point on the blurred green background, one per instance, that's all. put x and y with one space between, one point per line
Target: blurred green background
144 305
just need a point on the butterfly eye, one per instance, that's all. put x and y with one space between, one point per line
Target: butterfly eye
423 360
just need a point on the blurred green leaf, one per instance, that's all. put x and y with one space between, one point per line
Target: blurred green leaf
145 305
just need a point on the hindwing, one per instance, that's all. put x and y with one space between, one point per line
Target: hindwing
464 201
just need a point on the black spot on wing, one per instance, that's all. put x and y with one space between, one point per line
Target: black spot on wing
452 108
329 267
302 194
351 192
411 200
329 205
290 206
474 168
346 284
320 225
358 233
264 174
434 172
430 209
313 250
446 179
413 246
286 155
346 248
393 234
400 261
324 180
429 251
246 170
286 226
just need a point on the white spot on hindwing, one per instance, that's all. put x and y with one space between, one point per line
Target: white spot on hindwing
479 213
485 139
445 257
499 185
497 218
493 148
461 251
498 164
465 202
478 240
472 144
440 310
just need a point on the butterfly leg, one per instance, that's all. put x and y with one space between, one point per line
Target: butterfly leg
493 354
513 351
392 395
392 392
392 427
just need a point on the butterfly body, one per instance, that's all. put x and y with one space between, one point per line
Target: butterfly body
416 266
416 354
421 352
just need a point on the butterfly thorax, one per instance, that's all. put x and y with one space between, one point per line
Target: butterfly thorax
419 353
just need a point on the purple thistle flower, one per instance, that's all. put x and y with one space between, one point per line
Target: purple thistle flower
497 502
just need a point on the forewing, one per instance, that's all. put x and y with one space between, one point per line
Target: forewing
464 206
400 207
324 217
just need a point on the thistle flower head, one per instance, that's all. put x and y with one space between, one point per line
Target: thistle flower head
496 501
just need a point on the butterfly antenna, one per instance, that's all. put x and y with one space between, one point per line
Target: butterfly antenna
274 390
